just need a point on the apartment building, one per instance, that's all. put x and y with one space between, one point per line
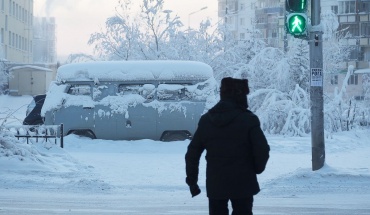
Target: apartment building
241 16
16 32
354 18
44 40
238 17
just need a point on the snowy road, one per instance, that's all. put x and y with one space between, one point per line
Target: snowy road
47 203
147 178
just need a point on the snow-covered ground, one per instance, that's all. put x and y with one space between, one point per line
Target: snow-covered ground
148 177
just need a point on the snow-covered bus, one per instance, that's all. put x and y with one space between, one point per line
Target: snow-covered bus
129 100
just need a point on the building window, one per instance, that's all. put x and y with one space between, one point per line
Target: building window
2 5
2 35
242 22
10 38
253 5
26 16
364 7
353 55
365 29
334 80
347 7
274 33
353 80
353 29
359 98
6 22
242 36
334 9
242 6
10 7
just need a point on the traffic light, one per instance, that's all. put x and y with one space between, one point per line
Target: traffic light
296 18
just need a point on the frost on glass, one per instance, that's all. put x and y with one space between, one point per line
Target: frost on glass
147 91
186 92
79 90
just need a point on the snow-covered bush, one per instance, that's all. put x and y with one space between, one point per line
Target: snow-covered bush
11 147
343 114
3 76
282 113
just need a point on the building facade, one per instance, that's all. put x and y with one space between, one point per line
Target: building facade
354 18
238 17
16 31
44 45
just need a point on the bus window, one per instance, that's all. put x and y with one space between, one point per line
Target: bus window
173 92
145 90
79 90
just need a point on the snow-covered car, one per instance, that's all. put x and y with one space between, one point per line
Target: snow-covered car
33 112
128 100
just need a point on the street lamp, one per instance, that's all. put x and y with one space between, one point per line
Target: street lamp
203 8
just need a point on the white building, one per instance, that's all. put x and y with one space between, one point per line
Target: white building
44 45
16 36
239 16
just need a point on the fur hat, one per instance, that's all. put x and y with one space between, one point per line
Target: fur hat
235 89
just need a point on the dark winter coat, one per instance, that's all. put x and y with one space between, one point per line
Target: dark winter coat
236 148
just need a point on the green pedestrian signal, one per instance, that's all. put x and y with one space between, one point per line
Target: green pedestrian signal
296 19
296 24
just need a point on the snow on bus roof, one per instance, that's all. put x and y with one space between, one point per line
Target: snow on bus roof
134 70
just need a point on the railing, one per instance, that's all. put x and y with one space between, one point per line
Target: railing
37 132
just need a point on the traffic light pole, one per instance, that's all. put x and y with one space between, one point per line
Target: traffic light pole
316 89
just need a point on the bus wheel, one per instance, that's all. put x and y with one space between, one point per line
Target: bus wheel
169 136
84 133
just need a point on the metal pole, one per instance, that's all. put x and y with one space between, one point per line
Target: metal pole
61 135
316 89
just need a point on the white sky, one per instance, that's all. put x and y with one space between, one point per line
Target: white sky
77 20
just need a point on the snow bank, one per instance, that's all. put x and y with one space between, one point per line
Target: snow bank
43 165
39 155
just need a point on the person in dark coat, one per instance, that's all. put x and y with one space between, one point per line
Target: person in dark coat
237 150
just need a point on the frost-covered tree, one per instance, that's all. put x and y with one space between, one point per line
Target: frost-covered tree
339 110
299 63
145 35
3 74
233 57
277 97
364 115
79 57
119 40
335 47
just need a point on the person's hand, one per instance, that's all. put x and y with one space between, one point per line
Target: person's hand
194 190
